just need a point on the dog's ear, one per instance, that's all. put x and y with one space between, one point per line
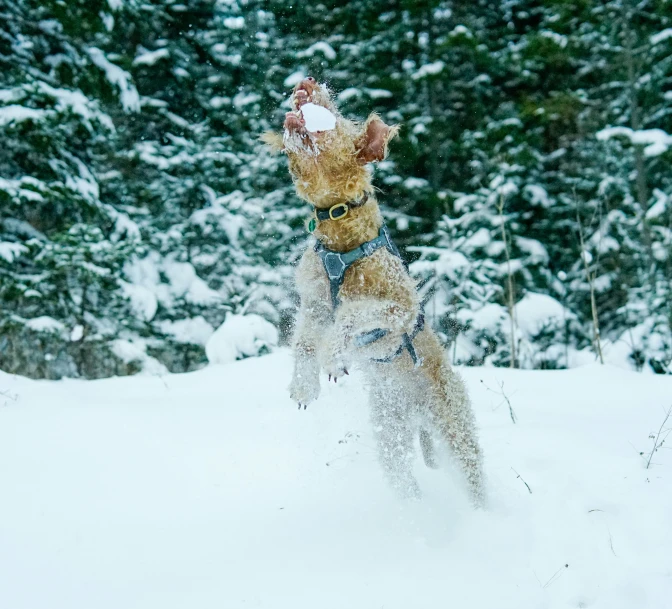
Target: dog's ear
273 140
372 144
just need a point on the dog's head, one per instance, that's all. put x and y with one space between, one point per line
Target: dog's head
328 153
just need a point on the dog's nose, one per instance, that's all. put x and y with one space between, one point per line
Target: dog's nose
307 84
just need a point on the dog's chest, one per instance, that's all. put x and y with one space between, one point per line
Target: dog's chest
379 276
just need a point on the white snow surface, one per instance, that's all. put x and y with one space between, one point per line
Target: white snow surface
240 336
318 118
211 490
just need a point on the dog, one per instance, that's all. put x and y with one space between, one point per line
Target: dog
367 310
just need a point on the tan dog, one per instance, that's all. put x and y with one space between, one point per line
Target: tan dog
329 168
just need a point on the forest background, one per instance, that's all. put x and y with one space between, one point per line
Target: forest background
530 186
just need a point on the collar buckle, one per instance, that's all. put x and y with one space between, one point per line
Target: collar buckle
338 211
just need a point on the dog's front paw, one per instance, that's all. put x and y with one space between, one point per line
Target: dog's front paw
304 389
335 369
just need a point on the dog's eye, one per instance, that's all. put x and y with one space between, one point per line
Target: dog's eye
311 79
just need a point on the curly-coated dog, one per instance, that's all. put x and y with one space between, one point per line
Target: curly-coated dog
358 302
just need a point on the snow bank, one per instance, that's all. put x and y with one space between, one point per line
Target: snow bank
240 336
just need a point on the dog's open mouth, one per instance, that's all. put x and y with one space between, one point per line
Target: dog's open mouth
310 116
301 97
303 92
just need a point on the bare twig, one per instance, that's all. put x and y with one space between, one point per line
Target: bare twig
590 277
506 399
660 437
10 396
556 575
523 481
611 541
509 280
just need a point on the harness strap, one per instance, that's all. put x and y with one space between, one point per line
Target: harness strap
407 343
336 263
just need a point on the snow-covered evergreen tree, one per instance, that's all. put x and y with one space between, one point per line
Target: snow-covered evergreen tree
138 208
62 246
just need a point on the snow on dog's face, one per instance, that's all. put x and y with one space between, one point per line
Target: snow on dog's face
327 153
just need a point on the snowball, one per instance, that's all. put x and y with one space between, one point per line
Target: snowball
318 118
240 336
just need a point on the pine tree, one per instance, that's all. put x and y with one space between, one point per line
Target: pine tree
61 245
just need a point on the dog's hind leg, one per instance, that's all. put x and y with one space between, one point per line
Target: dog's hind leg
454 420
427 447
394 430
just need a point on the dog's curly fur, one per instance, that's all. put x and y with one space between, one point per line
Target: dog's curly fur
327 168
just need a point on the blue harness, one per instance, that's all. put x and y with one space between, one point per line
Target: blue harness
337 263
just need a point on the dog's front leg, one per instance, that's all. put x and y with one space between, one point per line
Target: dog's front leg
305 385
334 356
358 317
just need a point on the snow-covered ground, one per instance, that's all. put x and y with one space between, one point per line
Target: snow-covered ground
211 490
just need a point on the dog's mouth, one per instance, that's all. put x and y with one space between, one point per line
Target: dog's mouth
303 92
311 115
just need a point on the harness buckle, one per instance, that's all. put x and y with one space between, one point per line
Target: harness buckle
343 208
334 265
